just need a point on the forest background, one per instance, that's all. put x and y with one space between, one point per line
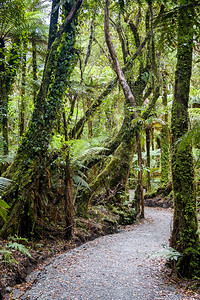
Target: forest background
103 100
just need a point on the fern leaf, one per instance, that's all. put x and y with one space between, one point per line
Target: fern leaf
3 213
3 204
79 181
4 182
19 247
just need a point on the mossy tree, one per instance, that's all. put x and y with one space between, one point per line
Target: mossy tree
113 178
184 236
27 193
165 168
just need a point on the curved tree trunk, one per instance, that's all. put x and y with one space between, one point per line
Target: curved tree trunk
112 181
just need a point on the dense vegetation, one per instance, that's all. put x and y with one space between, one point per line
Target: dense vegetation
101 101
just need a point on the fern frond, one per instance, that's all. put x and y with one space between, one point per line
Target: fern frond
168 253
3 213
191 137
91 152
80 182
4 182
19 247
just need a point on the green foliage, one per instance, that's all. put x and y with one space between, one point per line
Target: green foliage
18 238
6 255
11 15
127 215
19 247
80 182
189 263
3 209
168 253
191 137
4 182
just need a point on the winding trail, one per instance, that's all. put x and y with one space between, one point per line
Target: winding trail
114 267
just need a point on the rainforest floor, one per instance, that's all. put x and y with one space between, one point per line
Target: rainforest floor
48 252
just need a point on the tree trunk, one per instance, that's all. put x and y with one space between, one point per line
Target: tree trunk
3 98
164 135
184 236
23 91
112 181
148 144
34 64
28 169
139 194
69 187
68 198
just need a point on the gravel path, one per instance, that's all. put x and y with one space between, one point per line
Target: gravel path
114 267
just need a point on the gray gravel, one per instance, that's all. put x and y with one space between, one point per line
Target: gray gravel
114 267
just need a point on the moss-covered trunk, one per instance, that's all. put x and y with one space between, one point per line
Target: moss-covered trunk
164 135
138 203
23 91
184 236
34 66
110 184
148 144
3 98
28 171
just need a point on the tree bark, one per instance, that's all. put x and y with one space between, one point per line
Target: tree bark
27 170
34 64
184 236
139 194
165 167
23 91
148 143
76 131
3 98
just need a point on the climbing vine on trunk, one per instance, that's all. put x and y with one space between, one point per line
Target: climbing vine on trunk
29 169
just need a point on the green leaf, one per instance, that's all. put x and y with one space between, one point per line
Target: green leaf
3 213
19 247
3 204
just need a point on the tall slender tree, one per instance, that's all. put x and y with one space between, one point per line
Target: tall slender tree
184 236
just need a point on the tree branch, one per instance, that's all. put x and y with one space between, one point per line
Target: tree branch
80 124
116 66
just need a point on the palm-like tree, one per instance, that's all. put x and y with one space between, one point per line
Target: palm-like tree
35 32
11 17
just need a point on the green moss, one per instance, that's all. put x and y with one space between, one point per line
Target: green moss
126 214
189 262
